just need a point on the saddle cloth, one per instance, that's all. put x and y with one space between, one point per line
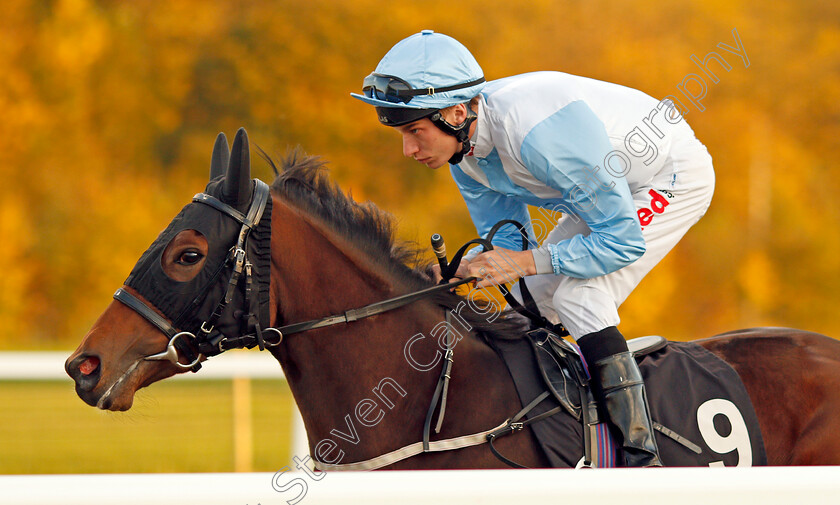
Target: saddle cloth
701 411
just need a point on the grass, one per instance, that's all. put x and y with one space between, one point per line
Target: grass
174 426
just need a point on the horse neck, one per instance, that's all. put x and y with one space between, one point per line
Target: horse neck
353 382
316 271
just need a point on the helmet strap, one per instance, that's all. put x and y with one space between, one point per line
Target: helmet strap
460 132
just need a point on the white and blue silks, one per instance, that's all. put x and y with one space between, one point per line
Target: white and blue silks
593 151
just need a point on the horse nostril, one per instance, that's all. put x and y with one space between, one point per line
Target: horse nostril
85 370
89 365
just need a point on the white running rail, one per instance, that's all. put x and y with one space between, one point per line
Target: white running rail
680 486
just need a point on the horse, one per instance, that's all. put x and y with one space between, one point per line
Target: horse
363 379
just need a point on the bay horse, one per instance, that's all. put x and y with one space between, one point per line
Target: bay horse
364 384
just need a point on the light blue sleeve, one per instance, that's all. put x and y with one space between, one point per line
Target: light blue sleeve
488 207
563 151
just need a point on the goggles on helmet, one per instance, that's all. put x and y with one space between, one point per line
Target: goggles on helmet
395 90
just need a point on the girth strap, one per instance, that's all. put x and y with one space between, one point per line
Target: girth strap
515 424
408 451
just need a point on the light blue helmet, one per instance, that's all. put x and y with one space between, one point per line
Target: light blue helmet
422 74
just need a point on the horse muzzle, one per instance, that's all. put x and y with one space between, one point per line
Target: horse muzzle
94 388
86 372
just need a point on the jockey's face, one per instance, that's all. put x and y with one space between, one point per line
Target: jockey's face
427 143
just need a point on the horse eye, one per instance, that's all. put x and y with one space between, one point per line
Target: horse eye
189 258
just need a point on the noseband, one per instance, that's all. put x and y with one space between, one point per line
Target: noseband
209 343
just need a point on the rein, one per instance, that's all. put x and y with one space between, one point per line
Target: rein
529 309
348 316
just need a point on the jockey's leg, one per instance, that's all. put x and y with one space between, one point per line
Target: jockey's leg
588 308
617 385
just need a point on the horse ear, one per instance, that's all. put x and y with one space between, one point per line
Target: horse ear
237 187
221 157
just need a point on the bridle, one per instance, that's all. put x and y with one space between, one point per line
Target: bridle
209 341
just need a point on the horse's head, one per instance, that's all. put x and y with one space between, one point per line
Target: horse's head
204 279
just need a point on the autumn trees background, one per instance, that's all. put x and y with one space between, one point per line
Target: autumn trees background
109 111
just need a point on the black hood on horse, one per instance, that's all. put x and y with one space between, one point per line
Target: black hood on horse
188 304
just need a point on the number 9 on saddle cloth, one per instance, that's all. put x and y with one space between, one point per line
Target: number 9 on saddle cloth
701 411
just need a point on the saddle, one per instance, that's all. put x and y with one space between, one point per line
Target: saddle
696 401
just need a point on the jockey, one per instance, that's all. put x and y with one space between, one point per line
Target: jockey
624 169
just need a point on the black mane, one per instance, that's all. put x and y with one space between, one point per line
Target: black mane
303 180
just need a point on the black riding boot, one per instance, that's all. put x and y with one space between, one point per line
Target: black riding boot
618 386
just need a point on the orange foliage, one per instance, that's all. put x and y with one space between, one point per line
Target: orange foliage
111 107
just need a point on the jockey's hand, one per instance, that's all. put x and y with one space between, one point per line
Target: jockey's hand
462 272
501 266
